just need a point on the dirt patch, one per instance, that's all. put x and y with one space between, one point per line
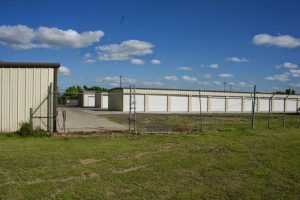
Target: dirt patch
83 175
88 161
89 174
131 169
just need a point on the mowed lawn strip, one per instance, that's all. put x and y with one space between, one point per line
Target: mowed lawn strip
227 165
149 122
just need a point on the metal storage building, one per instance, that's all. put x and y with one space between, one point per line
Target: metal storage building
181 101
26 87
92 99
88 99
102 100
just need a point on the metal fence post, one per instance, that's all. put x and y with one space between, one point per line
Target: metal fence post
31 118
64 114
253 107
200 107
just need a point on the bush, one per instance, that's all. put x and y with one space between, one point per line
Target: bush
27 130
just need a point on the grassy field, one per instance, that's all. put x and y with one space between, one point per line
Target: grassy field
240 164
210 122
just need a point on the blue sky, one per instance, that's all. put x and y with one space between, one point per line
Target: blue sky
169 44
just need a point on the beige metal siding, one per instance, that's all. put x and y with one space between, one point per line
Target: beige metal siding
20 90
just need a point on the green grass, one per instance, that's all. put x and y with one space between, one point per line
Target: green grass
210 122
226 165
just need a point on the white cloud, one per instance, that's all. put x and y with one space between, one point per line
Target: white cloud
189 78
115 80
87 58
89 61
214 66
284 41
136 61
155 61
287 65
237 59
171 78
279 77
295 72
126 50
185 69
65 71
87 55
224 75
24 37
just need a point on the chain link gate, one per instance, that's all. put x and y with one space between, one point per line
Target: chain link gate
51 113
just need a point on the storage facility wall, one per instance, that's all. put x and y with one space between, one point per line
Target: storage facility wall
156 101
20 90
102 100
115 100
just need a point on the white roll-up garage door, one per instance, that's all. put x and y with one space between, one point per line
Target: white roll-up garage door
178 104
291 105
195 101
104 103
139 102
157 103
89 100
278 105
247 107
217 104
234 104
263 105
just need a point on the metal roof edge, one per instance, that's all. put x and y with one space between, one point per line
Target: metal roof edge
191 90
5 64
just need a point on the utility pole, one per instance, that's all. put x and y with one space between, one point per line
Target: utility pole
130 103
253 107
120 81
134 110
224 86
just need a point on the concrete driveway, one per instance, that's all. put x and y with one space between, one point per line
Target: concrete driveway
84 120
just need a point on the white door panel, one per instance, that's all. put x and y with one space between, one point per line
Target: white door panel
195 101
263 105
278 105
291 105
217 104
104 102
234 104
178 104
139 102
157 103
247 105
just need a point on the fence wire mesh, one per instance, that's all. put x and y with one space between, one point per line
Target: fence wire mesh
203 113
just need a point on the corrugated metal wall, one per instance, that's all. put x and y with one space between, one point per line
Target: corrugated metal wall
20 90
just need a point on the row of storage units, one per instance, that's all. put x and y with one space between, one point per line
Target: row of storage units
156 100
92 99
